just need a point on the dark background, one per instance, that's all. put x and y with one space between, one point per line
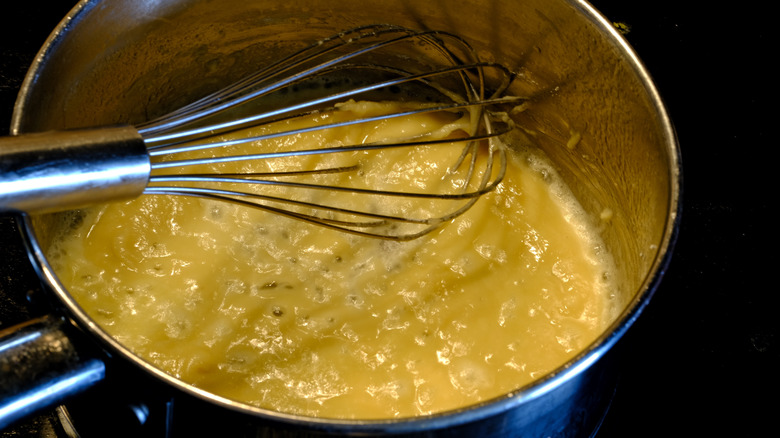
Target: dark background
702 359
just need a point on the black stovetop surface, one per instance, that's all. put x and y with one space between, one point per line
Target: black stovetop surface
702 359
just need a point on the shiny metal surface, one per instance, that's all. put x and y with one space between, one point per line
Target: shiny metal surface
594 111
40 368
65 170
369 62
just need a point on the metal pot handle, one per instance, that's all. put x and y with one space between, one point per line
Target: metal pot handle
40 367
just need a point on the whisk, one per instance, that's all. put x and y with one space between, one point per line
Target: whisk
188 151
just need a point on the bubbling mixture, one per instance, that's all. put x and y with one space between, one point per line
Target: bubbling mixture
300 319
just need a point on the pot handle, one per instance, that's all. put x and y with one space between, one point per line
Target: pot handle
40 367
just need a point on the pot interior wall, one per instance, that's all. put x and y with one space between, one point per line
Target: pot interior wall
590 111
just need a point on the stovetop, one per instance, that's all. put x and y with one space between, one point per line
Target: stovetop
703 358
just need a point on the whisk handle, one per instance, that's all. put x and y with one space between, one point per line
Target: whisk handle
63 170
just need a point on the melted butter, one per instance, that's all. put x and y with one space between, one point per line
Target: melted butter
287 316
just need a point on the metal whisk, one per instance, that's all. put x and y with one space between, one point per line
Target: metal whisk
191 151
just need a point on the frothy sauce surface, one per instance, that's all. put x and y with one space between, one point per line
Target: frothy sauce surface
295 318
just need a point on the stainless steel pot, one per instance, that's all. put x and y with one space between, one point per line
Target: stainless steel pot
594 111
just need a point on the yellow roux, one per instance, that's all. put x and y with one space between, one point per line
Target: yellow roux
296 318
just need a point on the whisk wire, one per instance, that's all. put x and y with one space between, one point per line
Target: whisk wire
188 146
238 93
250 88
197 129
321 151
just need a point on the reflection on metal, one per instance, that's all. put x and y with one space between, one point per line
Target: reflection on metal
39 367
81 167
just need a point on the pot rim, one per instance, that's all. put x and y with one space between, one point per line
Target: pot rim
481 410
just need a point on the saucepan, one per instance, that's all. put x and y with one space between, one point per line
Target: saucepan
595 113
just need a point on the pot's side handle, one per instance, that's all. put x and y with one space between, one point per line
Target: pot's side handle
40 367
